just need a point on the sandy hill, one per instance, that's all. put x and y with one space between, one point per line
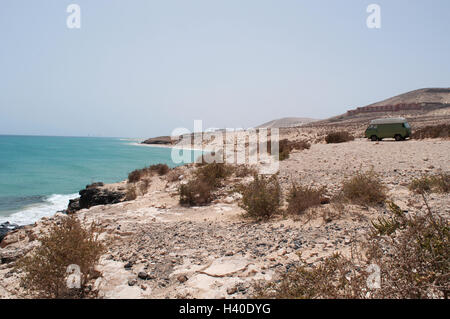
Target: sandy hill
415 102
427 106
287 122
427 96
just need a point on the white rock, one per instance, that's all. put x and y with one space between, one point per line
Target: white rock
228 200
226 266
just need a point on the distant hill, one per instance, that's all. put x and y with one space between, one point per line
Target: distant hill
427 96
417 101
422 103
287 122
429 106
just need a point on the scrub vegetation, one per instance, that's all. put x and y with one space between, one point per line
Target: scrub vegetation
45 269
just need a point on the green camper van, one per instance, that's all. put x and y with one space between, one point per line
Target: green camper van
397 128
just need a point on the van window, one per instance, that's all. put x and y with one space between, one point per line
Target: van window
372 126
406 125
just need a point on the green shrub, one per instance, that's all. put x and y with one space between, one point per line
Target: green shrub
302 197
261 198
364 189
388 226
338 137
66 243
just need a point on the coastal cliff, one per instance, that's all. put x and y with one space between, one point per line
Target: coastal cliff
161 140
97 194
158 248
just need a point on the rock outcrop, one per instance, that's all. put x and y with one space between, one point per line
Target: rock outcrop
161 140
6 228
96 194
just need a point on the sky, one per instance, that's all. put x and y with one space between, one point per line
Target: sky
141 68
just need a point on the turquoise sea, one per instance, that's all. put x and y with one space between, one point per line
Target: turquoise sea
39 174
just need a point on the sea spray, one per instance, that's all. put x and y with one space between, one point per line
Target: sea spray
34 212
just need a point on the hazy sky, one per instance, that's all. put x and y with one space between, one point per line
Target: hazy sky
142 68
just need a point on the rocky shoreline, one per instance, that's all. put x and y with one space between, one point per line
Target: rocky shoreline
158 248
96 194
7 227
92 195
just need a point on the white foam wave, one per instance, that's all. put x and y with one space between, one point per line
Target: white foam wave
32 213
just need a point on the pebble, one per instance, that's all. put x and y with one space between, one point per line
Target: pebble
231 290
128 265
182 278
132 282
143 275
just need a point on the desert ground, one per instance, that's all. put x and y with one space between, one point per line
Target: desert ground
160 249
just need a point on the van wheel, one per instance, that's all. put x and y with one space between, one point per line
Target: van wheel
374 138
398 137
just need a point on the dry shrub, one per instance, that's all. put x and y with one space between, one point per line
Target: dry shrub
338 137
131 193
412 253
364 188
302 197
286 147
441 182
328 279
244 171
327 213
196 193
262 197
299 145
144 185
216 157
421 185
138 174
160 169
431 183
331 213
213 173
67 243
432 131
173 175
207 178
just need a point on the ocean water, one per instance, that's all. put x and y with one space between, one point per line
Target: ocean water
39 174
